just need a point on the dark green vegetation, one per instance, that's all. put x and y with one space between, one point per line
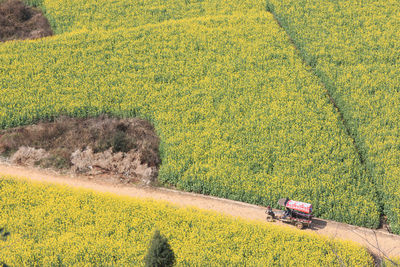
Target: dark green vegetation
160 253
3 237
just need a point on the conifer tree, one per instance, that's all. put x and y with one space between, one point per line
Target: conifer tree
160 253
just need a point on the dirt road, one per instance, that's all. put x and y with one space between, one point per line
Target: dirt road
376 241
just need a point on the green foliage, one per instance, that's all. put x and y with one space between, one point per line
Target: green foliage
119 142
354 47
4 234
160 253
56 226
34 3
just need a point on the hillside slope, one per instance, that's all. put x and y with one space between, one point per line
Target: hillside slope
238 113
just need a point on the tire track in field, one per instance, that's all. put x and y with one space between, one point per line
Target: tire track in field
327 84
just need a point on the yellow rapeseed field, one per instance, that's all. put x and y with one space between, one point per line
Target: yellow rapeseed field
238 113
54 225
74 15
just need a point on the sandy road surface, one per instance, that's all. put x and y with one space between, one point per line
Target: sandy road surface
373 239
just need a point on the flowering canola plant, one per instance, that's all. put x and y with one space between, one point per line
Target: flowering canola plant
354 47
238 113
55 225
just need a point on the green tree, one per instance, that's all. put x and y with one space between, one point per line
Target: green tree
160 253
3 237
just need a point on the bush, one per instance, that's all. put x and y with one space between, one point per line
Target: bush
120 142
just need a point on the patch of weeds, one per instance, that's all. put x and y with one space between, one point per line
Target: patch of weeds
7 153
54 161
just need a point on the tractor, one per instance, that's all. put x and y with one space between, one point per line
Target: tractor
296 212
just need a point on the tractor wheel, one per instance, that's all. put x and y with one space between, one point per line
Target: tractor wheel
299 225
269 218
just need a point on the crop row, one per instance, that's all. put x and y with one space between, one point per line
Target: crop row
354 47
238 113
55 225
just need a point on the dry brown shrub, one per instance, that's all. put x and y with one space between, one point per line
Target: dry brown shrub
18 21
28 156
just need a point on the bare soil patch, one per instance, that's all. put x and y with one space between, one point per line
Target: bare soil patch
19 21
102 146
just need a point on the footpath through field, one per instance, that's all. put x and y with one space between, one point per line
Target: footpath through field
377 241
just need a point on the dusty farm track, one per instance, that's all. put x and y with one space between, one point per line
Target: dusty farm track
376 241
